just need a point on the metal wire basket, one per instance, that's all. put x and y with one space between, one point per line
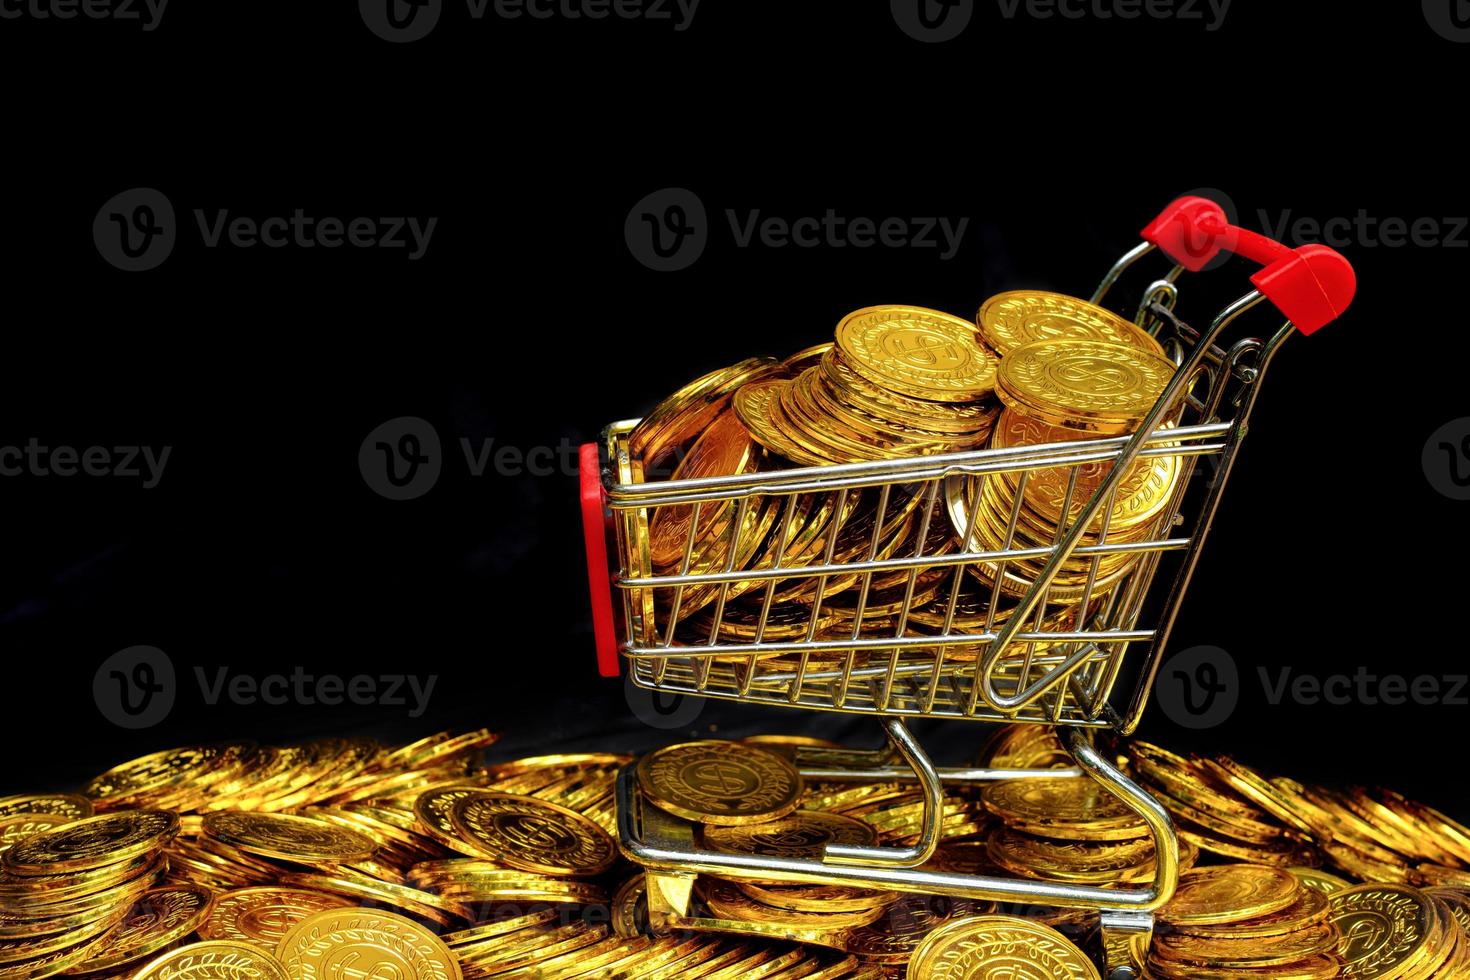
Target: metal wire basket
926 592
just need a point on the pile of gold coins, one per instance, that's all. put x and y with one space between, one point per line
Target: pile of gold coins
900 381
425 862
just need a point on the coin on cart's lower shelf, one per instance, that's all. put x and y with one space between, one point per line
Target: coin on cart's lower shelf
721 783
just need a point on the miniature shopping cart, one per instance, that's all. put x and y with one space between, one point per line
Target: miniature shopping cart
1083 666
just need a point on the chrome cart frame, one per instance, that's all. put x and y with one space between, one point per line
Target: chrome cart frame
1084 663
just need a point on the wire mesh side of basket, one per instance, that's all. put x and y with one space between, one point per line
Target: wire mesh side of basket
880 587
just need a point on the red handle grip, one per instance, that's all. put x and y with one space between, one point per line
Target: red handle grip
1311 285
595 521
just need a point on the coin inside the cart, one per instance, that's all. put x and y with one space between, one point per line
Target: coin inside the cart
784 592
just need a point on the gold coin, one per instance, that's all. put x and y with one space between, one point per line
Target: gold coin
755 407
62 960
725 449
67 805
917 352
998 947
816 898
1146 487
158 918
1024 746
437 749
263 915
92 842
1284 853
23 950
1319 881
855 392
18 826
806 357
1384 928
679 419
214 959
722 783
893 938
498 928
728 902
1230 893
629 907
1024 316
289 838
156 775
533 834
1104 388
364 943
1310 909
1313 968
803 834
1068 808
781 742
444 911
1068 860
1246 954
432 809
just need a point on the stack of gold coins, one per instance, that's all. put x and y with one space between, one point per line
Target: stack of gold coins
667 432
1398 932
508 869
1069 830
899 381
1223 807
896 813
1058 392
1249 920
70 892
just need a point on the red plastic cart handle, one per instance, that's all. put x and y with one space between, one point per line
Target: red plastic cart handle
1311 285
595 525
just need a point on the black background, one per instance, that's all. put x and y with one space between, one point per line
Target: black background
529 321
